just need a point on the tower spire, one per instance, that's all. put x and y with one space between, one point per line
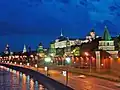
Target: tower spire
24 49
106 35
61 32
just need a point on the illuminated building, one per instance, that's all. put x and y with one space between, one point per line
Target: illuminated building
40 50
52 50
107 43
24 49
64 46
7 50
61 41
91 36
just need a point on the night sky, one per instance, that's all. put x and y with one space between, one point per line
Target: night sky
33 21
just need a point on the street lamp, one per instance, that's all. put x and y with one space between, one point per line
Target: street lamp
20 63
46 69
68 61
47 61
36 66
87 55
28 64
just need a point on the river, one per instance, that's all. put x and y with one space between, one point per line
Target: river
15 80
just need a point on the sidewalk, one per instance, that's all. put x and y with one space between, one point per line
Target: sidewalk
107 76
74 83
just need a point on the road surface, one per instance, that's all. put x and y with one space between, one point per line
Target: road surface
89 83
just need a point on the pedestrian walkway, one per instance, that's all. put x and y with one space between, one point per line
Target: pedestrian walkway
107 76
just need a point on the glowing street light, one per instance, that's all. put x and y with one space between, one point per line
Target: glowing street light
36 65
68 60
28 64
47 59
31 56
86 54
46 69
7 61
52 54
102 65
20 63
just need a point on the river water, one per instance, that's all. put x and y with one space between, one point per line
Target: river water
15 80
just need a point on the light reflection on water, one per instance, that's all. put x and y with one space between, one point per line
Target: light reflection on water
15 80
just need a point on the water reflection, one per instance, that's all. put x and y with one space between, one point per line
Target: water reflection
15 80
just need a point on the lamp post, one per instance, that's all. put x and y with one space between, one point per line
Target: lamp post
46 69
47 61
36 66
87 55
68 61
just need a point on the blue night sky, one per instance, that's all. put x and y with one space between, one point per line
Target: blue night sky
33 21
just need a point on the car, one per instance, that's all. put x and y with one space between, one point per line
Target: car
117 84
82 76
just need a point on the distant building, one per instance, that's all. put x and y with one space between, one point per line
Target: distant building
52 50
61 41
68 46
107 43
40 50
91 36
24 49
7 50
64 46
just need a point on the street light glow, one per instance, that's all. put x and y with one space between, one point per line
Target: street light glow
15 63
47 59
36 65
68 59
46 68
52 54
28 64
86 53
20 63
